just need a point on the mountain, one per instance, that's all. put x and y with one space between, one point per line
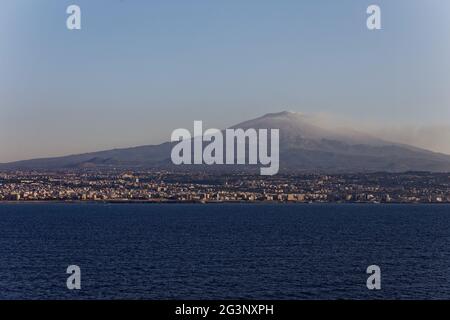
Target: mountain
306 144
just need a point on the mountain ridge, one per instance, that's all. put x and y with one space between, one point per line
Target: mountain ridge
305 145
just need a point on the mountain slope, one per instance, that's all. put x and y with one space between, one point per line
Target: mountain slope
305 145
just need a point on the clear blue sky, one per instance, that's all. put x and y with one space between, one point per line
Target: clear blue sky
139 69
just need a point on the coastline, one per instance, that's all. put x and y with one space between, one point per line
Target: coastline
172 202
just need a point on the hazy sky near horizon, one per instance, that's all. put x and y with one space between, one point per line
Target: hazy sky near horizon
139 69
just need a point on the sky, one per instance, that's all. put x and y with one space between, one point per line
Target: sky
137 70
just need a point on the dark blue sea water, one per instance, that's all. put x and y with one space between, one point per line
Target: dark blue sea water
224 251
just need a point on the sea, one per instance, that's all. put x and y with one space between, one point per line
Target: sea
224 251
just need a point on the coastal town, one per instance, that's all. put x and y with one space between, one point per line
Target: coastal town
124 186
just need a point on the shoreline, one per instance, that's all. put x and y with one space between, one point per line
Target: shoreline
171 202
